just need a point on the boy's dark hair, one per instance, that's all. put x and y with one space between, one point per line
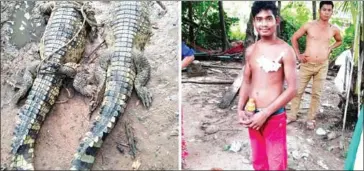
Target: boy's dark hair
322 3
264 5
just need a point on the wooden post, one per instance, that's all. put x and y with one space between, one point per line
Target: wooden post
231 92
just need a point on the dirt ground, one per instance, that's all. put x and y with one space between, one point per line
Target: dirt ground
209 130
155 129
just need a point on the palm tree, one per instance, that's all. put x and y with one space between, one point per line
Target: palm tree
356 10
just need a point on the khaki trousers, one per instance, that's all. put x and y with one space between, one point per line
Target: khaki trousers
307 71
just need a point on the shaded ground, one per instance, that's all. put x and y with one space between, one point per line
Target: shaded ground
155 129
208 129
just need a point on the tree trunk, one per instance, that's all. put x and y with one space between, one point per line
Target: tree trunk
314 10
250 37
223 29
279 14
190 16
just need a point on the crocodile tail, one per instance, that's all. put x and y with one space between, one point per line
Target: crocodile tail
119 87
86 153
32 114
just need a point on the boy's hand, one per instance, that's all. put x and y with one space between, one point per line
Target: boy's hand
244 117
257 120
302 58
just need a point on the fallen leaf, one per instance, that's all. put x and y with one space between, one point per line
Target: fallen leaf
136 165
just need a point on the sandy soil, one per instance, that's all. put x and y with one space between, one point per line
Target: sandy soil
208 129
156 129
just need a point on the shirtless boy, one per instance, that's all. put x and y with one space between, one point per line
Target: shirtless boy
269 62
315 59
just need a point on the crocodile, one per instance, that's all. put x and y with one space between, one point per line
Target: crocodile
125 67
60 49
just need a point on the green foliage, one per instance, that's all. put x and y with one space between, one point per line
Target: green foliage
294 16
236 35
337 21
297 11
348 40
211 21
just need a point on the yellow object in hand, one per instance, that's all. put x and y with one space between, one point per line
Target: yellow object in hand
250 106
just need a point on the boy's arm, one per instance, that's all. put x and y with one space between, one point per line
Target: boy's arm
338 39
188 55
187 61
245 85
289 66
297 35
244 88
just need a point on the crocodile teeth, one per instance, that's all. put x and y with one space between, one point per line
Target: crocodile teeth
113 119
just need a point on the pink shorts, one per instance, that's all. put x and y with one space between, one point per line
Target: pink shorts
269 144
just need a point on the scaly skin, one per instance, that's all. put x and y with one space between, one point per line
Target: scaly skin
126 67
63 25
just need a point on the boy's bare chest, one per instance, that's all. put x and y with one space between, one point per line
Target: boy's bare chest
320 33
267 62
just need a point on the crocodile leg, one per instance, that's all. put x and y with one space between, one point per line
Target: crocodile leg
143 73
69 69
28 79
81 79
100 76
81 83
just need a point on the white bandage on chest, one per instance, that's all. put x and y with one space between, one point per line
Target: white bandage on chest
269 65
